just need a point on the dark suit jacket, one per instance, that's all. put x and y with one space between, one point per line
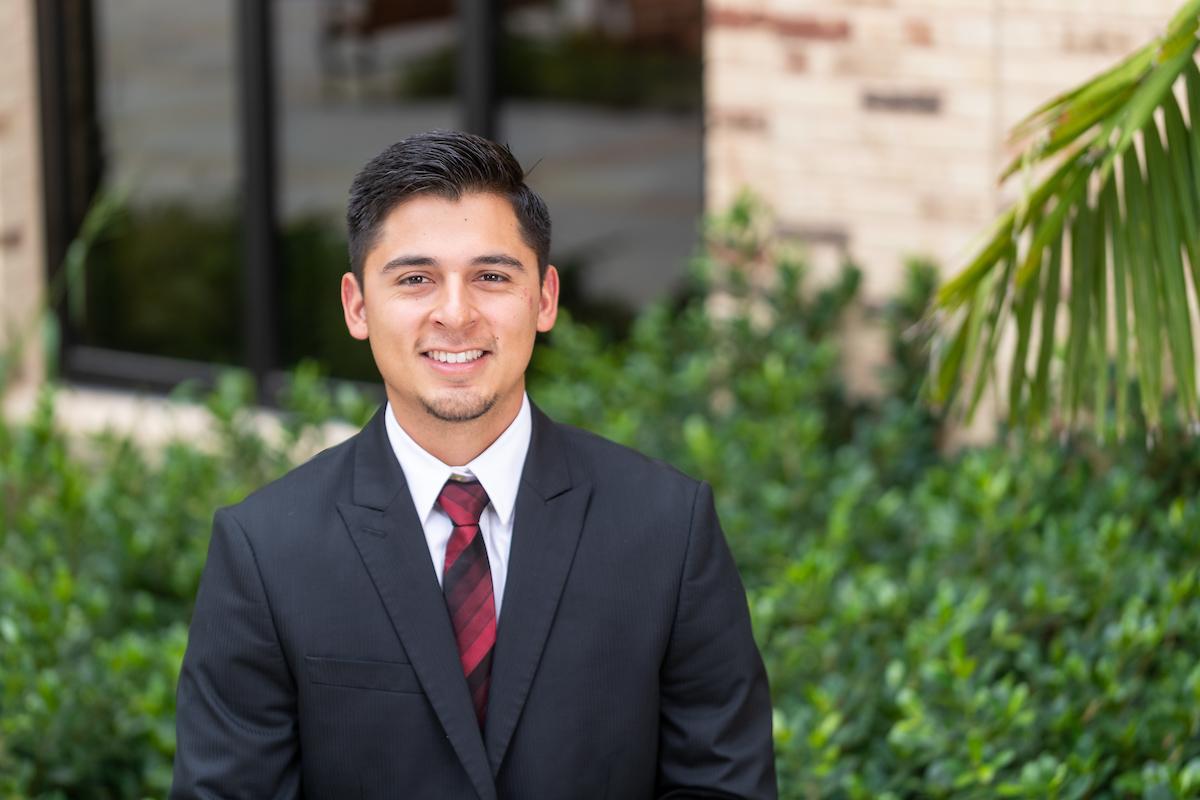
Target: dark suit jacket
321 661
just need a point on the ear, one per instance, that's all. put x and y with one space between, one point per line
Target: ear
354 306
548 300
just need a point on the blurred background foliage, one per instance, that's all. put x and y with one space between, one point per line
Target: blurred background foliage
1016 620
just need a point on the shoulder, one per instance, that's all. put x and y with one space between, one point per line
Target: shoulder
618 469
303 493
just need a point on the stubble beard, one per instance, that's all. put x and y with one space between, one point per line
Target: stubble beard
458 408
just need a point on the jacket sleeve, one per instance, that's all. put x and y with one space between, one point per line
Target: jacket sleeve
715 728
236 731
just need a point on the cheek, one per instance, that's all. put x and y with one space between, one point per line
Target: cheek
521 327
532 300
518 316
395 319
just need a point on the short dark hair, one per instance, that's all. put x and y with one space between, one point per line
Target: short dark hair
447 164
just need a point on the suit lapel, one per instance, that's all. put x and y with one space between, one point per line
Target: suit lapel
384 526
551 504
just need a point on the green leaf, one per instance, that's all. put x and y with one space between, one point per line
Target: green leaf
1050 291
1191 82
1019 376
1052 225
948 368
1117 240
1183 173
1172 281
1000 294
1114 80
1149 97
961 288
975 360
1099 340
1138 243
1073 122
1075 373
1181 31
1186 17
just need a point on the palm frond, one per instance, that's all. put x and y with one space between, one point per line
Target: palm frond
1093 275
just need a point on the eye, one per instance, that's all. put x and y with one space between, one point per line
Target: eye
412 280
493 277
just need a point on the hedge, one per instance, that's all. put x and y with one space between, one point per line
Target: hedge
1017 620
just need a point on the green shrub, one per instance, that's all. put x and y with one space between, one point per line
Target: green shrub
101 548
1020 620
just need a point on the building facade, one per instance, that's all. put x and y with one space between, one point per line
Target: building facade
875 129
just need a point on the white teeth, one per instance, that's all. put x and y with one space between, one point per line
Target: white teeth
454 358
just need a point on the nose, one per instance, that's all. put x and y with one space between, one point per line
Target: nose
454 309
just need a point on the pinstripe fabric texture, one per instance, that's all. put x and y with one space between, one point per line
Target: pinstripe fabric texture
467 585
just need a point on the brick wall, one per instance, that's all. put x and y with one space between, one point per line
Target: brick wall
21 257
875 128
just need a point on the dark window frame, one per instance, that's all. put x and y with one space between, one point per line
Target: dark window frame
72 158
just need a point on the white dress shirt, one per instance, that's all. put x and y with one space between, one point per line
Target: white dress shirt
498 468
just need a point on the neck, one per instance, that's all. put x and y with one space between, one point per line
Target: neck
456 443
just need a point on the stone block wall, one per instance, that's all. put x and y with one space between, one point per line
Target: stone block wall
22 269
876 128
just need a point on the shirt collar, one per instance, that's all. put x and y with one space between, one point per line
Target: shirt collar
498 467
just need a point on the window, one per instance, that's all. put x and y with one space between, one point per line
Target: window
227 134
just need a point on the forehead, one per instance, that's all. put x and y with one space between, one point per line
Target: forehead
428 217
449 232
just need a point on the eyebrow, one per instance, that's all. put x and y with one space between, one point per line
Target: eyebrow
490 260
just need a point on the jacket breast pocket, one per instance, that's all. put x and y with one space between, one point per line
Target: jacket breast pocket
381 676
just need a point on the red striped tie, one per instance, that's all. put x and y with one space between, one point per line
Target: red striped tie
467 585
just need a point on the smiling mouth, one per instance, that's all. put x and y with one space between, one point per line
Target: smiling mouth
448 357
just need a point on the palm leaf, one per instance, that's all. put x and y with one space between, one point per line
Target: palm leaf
1092 268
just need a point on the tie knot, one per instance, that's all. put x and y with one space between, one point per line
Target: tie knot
463 501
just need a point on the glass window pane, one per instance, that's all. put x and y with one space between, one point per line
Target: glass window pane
165 278
604 96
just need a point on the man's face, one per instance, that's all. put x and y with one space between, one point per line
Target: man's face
451 304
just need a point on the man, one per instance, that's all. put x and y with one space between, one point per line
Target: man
467 600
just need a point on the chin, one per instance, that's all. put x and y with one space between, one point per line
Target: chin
459 408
